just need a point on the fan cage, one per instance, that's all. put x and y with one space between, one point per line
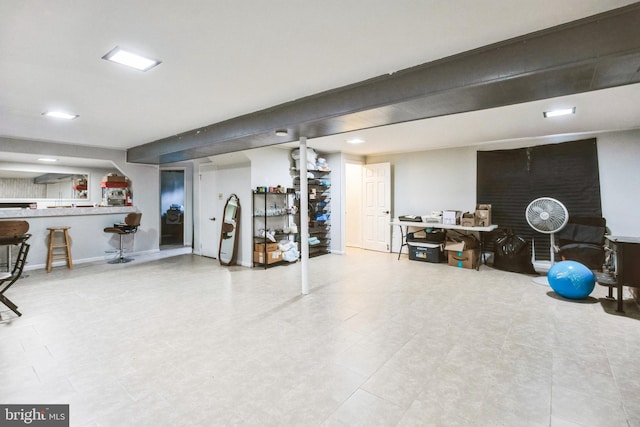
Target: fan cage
547 215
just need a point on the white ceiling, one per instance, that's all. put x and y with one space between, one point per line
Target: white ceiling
222 59
599 111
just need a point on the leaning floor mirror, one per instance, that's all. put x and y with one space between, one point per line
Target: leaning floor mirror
229 231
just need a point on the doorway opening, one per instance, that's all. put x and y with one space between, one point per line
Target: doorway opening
367 202
172 197
353 205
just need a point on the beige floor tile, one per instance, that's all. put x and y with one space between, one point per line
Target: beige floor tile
422 414
586 409
366 409
559 422
183 341
517 404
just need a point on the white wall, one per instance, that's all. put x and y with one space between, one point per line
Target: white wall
237 180
145 187
270 167
432 180
353 204
446 179
619 164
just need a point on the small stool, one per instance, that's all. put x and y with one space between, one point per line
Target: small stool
52 247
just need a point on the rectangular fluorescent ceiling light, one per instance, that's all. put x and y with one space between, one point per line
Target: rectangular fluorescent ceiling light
131 59
47 159
60 115
355 141
561 112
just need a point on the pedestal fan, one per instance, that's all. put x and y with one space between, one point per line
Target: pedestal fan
548 216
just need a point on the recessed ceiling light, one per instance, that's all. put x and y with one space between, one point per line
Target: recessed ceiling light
47 159
561 112
282 132
131 59
355 141
60 115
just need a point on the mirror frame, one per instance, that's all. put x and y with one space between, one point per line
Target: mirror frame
230 230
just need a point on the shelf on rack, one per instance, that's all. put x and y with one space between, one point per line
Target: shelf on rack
272 213
319 199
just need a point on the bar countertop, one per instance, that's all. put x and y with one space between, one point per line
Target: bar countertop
65 211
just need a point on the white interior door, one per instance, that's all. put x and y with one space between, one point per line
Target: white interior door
377 207
209 212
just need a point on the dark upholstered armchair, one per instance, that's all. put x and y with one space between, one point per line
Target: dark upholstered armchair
582 240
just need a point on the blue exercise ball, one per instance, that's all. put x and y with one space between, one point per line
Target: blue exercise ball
571 280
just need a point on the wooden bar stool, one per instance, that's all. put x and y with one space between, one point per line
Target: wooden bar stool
66 245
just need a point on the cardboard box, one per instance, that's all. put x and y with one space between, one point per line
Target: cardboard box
431 235
114 178
464 259
114 184
483 215
461 243
272 257
426 252
432 219
468 219
451 217
259 247
454 246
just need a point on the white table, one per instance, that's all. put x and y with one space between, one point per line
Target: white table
407 224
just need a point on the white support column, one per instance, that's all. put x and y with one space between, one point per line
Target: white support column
304 216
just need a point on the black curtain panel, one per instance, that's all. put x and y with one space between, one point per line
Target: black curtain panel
510 179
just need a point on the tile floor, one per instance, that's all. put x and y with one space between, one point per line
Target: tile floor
181 341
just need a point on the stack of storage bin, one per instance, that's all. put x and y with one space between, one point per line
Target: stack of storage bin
427 245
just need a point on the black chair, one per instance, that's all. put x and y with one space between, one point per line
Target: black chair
8 279
129 226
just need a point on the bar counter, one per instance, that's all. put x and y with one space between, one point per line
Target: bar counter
88 240
18 213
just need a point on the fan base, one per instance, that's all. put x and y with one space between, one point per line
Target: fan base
542 267
541 280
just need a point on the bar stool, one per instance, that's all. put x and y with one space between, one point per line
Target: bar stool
12 233
129 226
66 245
